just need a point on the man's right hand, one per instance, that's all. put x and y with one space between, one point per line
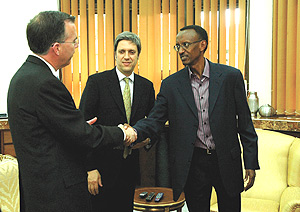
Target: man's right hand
131 135
94 181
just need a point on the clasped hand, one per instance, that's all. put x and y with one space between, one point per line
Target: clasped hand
131 135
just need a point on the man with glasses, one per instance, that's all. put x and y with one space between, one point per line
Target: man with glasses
50 136
206 106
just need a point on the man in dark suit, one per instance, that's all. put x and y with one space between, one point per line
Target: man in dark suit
206 106
103 97
51 137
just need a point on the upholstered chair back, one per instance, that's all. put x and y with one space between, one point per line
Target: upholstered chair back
9 184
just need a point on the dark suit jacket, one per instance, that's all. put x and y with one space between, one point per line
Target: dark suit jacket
229 117
102 97
51 139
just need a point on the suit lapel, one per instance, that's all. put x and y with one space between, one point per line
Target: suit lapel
115 89
185 89
215 83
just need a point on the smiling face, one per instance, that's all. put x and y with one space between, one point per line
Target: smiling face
126 56
194 53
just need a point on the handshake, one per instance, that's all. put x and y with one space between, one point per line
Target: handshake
131 137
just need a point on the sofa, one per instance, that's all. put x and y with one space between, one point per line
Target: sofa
9 184
277 183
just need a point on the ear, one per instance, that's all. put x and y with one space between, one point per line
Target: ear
203 45
56 48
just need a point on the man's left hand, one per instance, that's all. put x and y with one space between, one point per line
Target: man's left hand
250 177
141 144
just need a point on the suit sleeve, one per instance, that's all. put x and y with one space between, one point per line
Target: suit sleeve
57 111
153 125
246 129
150 106
151 99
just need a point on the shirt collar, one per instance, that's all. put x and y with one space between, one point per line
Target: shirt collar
54 72
205 71
121 76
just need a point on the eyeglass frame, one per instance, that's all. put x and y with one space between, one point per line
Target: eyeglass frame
75 42
177 46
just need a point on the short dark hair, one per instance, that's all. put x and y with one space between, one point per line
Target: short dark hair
45 29
131 37
200 31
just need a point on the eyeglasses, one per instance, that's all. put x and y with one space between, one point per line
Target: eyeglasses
185 45
75 42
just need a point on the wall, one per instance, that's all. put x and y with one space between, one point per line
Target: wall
15 50
14 17
260 49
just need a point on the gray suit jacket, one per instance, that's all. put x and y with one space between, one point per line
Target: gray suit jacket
229 118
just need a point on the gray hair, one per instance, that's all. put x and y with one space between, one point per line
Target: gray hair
128 36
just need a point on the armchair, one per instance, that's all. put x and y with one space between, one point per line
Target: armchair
277 183
9 184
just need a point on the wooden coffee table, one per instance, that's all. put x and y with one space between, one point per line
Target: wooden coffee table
165 204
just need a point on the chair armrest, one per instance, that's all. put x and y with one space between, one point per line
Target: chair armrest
290 199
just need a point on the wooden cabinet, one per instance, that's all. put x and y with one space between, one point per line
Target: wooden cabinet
7 146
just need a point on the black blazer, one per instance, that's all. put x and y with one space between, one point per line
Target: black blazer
102 98
229 117
51 139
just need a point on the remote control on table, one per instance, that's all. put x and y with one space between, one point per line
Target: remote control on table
150 196
159 196
143 194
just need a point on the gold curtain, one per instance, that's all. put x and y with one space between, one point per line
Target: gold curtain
157 23
286 54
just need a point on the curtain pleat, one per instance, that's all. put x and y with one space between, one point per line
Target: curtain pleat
83 47
291 58
298 62
76 59
151 41
157 45
100 26
67 76
126 20
274 54
232 44
286 51
173 32
142 27
157 23
222 33
214 32
91 38
109 35
242 36
206 26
